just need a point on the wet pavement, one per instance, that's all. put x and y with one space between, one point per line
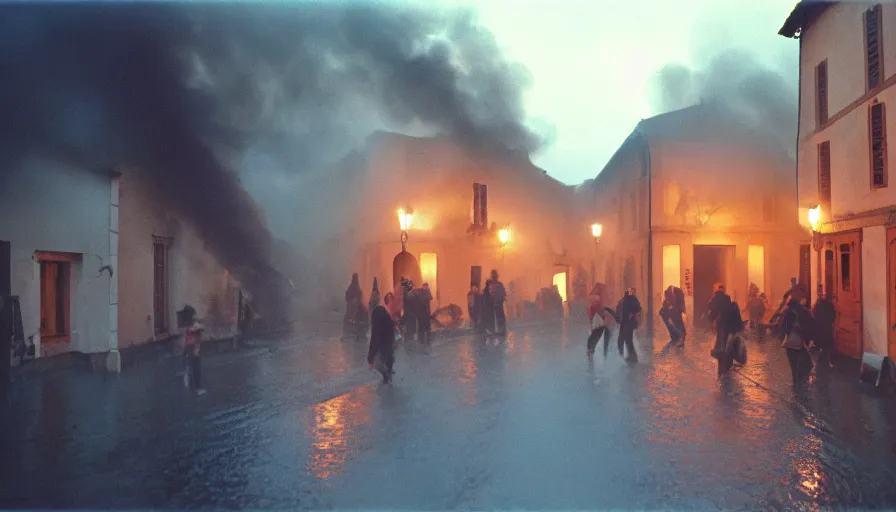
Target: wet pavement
527 423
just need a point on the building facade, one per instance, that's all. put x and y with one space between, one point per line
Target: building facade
691 199
847 72
434 178
163 267
59 226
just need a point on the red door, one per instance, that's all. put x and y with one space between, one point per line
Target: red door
844 254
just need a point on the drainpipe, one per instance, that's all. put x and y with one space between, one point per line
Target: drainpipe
648 163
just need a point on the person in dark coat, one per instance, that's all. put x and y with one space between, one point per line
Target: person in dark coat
408 321
797 326
473 306
383 332
374 297
350 324
495 318
423 300
631 315
672 312
719 306
732 324
825 315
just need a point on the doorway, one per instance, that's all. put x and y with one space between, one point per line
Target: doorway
712 264
843 266
55 296
429 273
560 282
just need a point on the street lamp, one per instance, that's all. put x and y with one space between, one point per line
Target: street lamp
596 230
405 217
504 237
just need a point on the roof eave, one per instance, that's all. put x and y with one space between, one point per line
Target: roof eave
802 15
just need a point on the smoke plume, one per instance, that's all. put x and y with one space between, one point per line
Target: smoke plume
183 92
763 98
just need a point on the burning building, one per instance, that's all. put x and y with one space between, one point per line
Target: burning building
518 224
692 198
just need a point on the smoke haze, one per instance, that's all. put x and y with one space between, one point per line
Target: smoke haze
756 95
197 95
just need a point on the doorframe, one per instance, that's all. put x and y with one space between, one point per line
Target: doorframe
890 235
828 238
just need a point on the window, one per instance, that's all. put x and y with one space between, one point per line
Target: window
429 272
756 265
824 175
634 211
821 92
878 140
845 276
671 266
160 287
829 272
873 46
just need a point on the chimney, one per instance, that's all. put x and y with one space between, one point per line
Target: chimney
476 212
483 204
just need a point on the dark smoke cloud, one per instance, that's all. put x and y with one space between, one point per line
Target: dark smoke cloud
755 95
181 91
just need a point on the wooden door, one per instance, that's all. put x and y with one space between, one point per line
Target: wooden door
847 290
54 302
891 293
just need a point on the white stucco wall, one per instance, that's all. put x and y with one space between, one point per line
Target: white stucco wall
874 289
194 277
851 191
49 206
838 36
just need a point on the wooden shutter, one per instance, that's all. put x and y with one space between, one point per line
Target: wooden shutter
824 175
873 47
821 92
878 141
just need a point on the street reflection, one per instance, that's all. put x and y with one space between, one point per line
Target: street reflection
333 431
468 372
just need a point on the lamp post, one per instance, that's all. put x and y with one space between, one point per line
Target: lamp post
596 231
405 217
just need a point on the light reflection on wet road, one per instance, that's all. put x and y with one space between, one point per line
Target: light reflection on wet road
527 423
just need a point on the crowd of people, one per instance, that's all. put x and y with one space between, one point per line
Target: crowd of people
802 332
406 313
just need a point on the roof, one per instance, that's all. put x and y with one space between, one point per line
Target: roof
709 122
803 14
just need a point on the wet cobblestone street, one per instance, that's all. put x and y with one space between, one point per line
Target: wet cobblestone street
527 423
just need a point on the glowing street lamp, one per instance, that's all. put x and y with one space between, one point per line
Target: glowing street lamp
504 235
405 217
814 217
596 230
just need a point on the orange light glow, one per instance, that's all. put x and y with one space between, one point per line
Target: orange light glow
560 282
429 271
814 217
332 431
596 230
504 235
405 218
